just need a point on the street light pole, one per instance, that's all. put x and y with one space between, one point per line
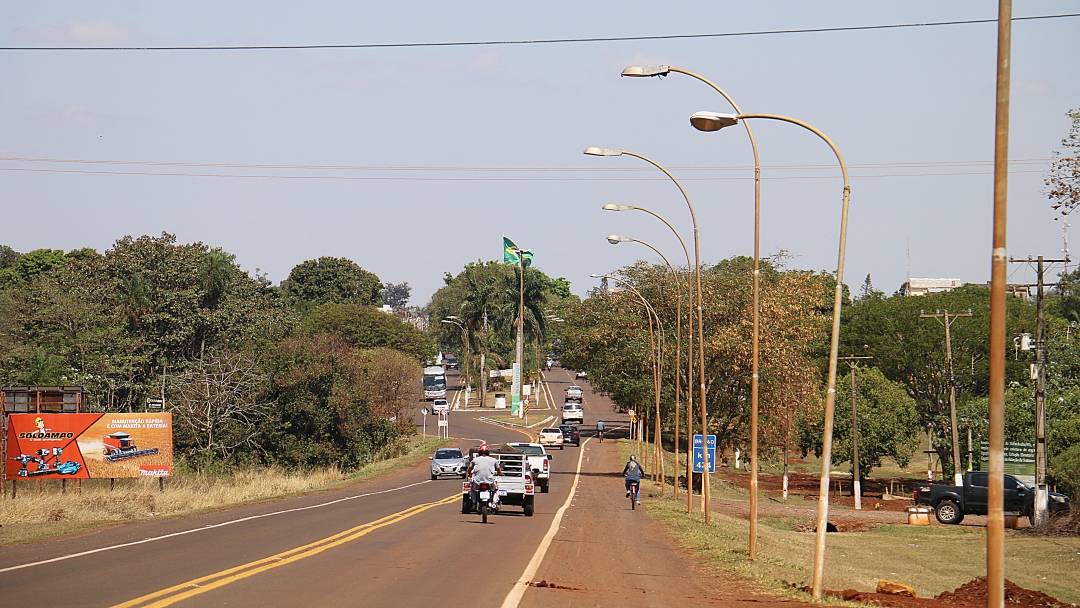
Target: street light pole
689 350
657 361
646 71
594 151
615 239
519 349
712 121
452 320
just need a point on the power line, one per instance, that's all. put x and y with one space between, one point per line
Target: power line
488 179
830 167
267 47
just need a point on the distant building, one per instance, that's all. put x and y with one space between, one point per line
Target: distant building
1022 290
922 287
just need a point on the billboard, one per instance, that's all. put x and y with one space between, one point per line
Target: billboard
88 446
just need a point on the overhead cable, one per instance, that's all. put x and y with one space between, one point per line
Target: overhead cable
389 45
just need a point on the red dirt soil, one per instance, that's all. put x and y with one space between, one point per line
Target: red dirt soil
969 594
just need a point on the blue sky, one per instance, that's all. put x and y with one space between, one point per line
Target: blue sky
923 96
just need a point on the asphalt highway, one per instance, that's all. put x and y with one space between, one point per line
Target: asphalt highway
398 541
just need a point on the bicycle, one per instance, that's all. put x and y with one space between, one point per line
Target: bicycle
633 494
600 435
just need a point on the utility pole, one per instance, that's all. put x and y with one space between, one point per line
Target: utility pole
856 485
519 351
1041 495
958 478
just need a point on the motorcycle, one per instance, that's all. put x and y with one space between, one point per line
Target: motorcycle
489 499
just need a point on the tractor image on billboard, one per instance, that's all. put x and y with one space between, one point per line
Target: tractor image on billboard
120 445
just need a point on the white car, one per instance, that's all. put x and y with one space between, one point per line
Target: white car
581 376
440 404
572 412
574 392
551 437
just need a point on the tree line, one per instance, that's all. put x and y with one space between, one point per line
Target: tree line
902 391
301 374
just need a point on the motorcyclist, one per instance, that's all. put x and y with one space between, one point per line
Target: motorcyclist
633 472
482 469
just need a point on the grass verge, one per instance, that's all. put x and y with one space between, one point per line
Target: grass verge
33 516
932 559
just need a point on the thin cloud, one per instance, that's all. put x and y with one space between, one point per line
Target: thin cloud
486 61
77 33
80 114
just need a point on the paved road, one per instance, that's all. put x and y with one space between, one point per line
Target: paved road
399 541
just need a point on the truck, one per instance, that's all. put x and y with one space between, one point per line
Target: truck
515 484
952 503
434 382
539 462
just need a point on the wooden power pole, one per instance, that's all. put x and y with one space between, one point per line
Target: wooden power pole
958 477
856 480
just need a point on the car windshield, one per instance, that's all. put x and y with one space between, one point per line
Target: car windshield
568 429
571 406
447 454
529 449
551 431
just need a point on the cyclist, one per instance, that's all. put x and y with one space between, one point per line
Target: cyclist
633 472
600 430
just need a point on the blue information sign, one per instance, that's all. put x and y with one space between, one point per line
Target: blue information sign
699 456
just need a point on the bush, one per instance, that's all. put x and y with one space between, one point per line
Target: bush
1064 471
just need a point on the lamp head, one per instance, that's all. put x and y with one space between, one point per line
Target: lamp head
594 151
640 71
617 207
713 121
615 239
598 276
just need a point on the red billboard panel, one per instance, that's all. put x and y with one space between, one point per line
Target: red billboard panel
89 446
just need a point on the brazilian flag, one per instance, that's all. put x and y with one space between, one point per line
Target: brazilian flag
510 254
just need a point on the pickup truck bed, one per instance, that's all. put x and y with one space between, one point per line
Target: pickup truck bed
515 484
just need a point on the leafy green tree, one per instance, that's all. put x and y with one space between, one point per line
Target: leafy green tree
396 295
1063 179
336 404
910 350
330 279
888 422
366 327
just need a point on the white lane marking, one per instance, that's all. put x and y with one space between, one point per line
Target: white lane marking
515 595
209 527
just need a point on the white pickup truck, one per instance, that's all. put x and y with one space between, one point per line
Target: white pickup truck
515 484
539 462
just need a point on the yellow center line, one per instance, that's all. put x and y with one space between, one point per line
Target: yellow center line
203 584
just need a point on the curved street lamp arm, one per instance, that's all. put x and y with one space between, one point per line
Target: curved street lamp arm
830 396
686 251
693 216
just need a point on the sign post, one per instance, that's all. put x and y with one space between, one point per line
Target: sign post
699 456
444 424
423 411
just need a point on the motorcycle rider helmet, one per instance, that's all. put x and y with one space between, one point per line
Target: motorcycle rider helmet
484 449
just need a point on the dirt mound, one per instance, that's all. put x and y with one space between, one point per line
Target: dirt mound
1059 525
974 594
970 594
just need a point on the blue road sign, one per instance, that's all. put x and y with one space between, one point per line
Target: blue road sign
699 456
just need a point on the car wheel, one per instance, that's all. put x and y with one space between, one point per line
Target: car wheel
560 447
434 476
528 506
544 489
948 512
